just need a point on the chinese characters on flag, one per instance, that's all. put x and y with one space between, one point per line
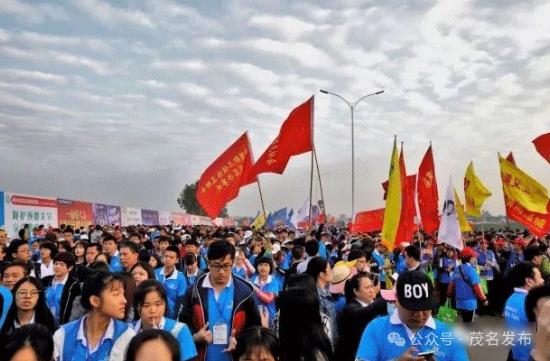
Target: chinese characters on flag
426 189
221 181
537 223
295 137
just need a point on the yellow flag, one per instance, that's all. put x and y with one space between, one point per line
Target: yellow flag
392 213
462 221
475 192
521 188
259 222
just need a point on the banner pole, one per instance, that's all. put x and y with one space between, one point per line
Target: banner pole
261 196
320 183
310 189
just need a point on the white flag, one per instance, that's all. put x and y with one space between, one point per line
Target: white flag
449 228
301 214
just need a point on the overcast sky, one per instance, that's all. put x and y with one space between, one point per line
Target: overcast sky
125 102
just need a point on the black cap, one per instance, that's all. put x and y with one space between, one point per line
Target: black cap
414 291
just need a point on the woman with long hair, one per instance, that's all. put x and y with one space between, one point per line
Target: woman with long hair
301 333
150 305
29 307
142 271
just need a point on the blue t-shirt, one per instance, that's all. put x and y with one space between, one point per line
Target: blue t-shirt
272 286
241 272
482 258
220 311
386 338
400 265
380 260
53 299
465 297
446 262
175 286
115 265
6 298
517 322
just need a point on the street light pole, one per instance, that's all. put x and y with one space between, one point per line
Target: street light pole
352 107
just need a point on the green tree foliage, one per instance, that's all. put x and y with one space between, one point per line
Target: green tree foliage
188 201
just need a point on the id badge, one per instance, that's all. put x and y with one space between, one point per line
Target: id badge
220 334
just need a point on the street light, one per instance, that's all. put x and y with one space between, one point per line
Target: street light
352 107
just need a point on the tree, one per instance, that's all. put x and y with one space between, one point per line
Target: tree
188 201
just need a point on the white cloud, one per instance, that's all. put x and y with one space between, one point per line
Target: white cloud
291 28
107 14
422 103
183 65
305 54
168 104
98 67
193 89
12 101
34 75
27 88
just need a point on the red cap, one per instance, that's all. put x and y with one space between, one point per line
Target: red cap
501 242
468 252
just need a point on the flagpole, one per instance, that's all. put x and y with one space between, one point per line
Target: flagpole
311 187
312 116
261 196
320 183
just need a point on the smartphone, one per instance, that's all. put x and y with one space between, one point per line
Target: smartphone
428 355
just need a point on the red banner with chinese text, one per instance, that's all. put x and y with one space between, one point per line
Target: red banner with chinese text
295 137
75 213
221 181
369 221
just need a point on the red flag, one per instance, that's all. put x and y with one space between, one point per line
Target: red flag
295 137
221 181
428 198
368 221
537 223
408 208
542 145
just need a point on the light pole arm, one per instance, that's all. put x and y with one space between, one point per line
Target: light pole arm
350 105
364 97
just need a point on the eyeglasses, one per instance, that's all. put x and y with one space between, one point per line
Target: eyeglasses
219 267
25 293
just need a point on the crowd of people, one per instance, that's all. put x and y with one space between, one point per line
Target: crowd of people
229 293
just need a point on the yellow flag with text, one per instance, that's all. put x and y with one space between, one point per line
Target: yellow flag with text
523 189
475 193
462 221
259 222
392 213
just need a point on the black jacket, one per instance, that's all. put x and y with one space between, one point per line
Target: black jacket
352 322
70 292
